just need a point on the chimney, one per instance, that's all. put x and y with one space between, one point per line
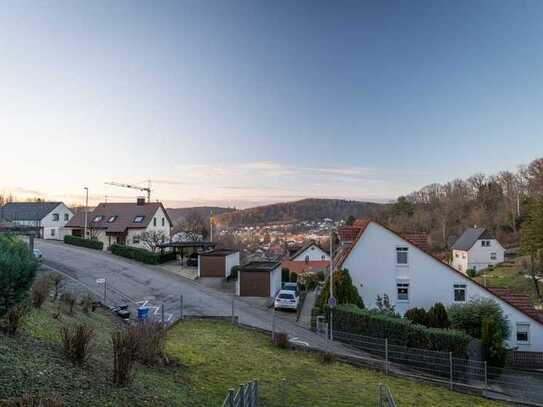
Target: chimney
140 201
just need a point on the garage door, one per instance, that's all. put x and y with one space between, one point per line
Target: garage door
212 266
254 284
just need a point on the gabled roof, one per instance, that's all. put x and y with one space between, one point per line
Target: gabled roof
299 267
469 237
27 210
307 246
519 302
125 214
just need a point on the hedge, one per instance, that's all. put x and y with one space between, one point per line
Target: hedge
79 241
141 255
399 331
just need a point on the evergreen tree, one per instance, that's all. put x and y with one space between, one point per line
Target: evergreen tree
344 291
531 242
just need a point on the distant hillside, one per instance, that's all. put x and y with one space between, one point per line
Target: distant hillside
306 209
178 214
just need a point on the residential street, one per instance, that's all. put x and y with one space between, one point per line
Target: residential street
129 282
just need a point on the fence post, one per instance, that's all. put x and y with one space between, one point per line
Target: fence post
451 370
273 324
181 307
162 313
105 291
486 375
242 396
231 395
331 326
284 392
326 336
386 356
255 398
233 316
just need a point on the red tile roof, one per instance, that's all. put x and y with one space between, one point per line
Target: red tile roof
299 267
520 301
418 239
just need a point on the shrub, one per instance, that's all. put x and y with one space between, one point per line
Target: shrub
417 316
77 342
344 291
280 339
234 272
494 351
384 306
437 316
293 277
88 304
40 291
14 318
69 300
469 317
17 271
285 275
151 340
79 241
57 280
135 253
41 400
399 331
471 273
125 345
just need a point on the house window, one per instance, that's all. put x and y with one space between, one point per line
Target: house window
136 239
306 258
98 218
163 222
403 291
154 221
55 217
485 243
323 257
66 217
139 219
493 256
523 333
401 256
460 292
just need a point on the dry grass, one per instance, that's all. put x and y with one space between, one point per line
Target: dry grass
77 342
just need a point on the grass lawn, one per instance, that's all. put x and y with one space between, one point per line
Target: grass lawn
211 357
510 275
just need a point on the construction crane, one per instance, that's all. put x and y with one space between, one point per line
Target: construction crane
146 189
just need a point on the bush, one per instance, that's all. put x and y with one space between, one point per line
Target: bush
494 351
77 342
437 316
293 277
310 280
285 275
14 318
135 253
234 272
469 317
40 291
69 300
125 346
88 303
399 331
471 273
151 340
280 339
17 271
57 280
417 316
41 400
344 291
79 241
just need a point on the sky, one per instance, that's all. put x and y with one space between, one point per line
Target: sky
240 103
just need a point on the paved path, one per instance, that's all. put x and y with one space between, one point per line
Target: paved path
305 313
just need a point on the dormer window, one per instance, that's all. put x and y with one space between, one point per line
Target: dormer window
485 243
98 218
139 219
112 219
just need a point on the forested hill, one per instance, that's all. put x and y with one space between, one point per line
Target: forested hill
306 209
178 215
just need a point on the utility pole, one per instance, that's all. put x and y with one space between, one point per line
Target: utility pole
86 211
211 226
331 300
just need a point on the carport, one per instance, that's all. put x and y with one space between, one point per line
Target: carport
179 247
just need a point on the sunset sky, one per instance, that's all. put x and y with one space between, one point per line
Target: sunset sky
247 102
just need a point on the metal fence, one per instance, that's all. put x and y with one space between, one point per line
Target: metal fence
385 397
246 396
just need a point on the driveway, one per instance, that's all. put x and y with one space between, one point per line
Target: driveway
132 283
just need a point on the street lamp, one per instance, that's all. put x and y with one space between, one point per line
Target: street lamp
86 210
331 299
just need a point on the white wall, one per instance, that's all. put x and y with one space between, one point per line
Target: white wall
54 229
479 256
275 281
460 260
314 252
166 229
372 265
231 261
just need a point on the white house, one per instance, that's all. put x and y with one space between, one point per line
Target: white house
476 249
311 252
50 217
124 223
380 262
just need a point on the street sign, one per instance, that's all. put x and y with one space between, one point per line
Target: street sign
100 281
332 302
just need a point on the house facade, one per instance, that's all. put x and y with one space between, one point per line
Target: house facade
380 262
311 252
476 249
124 223
50 217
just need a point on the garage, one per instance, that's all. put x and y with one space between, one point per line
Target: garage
217 263
259 279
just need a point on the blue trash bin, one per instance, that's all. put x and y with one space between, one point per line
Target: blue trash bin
143 313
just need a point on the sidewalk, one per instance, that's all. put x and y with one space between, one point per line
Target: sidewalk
305 314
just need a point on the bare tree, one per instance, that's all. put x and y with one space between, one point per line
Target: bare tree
152 239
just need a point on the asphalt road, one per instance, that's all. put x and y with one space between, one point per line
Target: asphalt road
132 283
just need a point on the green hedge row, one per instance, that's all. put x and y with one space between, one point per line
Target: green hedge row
135 253
399 331
79 241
